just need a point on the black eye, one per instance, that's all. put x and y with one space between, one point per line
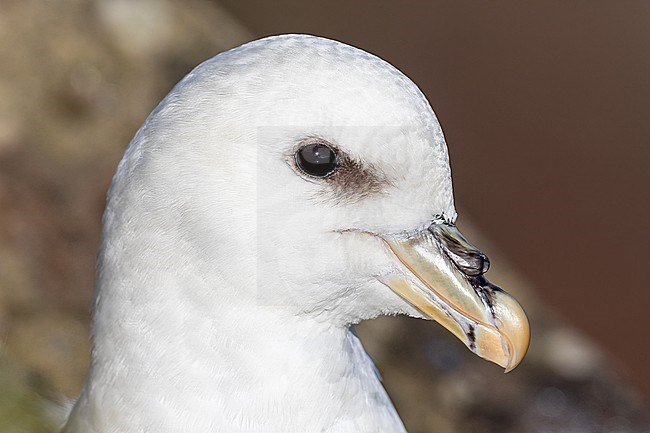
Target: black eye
317 159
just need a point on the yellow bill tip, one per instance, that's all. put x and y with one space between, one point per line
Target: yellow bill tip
512 323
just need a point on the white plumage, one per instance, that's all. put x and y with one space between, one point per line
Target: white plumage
228 278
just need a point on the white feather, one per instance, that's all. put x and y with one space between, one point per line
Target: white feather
225 286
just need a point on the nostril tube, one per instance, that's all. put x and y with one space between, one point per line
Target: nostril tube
465 256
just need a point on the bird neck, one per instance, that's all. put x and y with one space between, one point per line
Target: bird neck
165 361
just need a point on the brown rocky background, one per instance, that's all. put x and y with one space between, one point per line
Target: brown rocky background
76 80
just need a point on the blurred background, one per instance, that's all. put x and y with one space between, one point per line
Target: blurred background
546 109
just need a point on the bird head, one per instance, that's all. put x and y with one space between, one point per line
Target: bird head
307 178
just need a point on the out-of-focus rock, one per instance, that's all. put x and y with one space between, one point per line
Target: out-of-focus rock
54 345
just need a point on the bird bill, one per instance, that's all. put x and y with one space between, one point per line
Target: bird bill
441 275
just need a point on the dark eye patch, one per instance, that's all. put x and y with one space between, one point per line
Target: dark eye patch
349 179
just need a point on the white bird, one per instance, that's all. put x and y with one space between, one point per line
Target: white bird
282 192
